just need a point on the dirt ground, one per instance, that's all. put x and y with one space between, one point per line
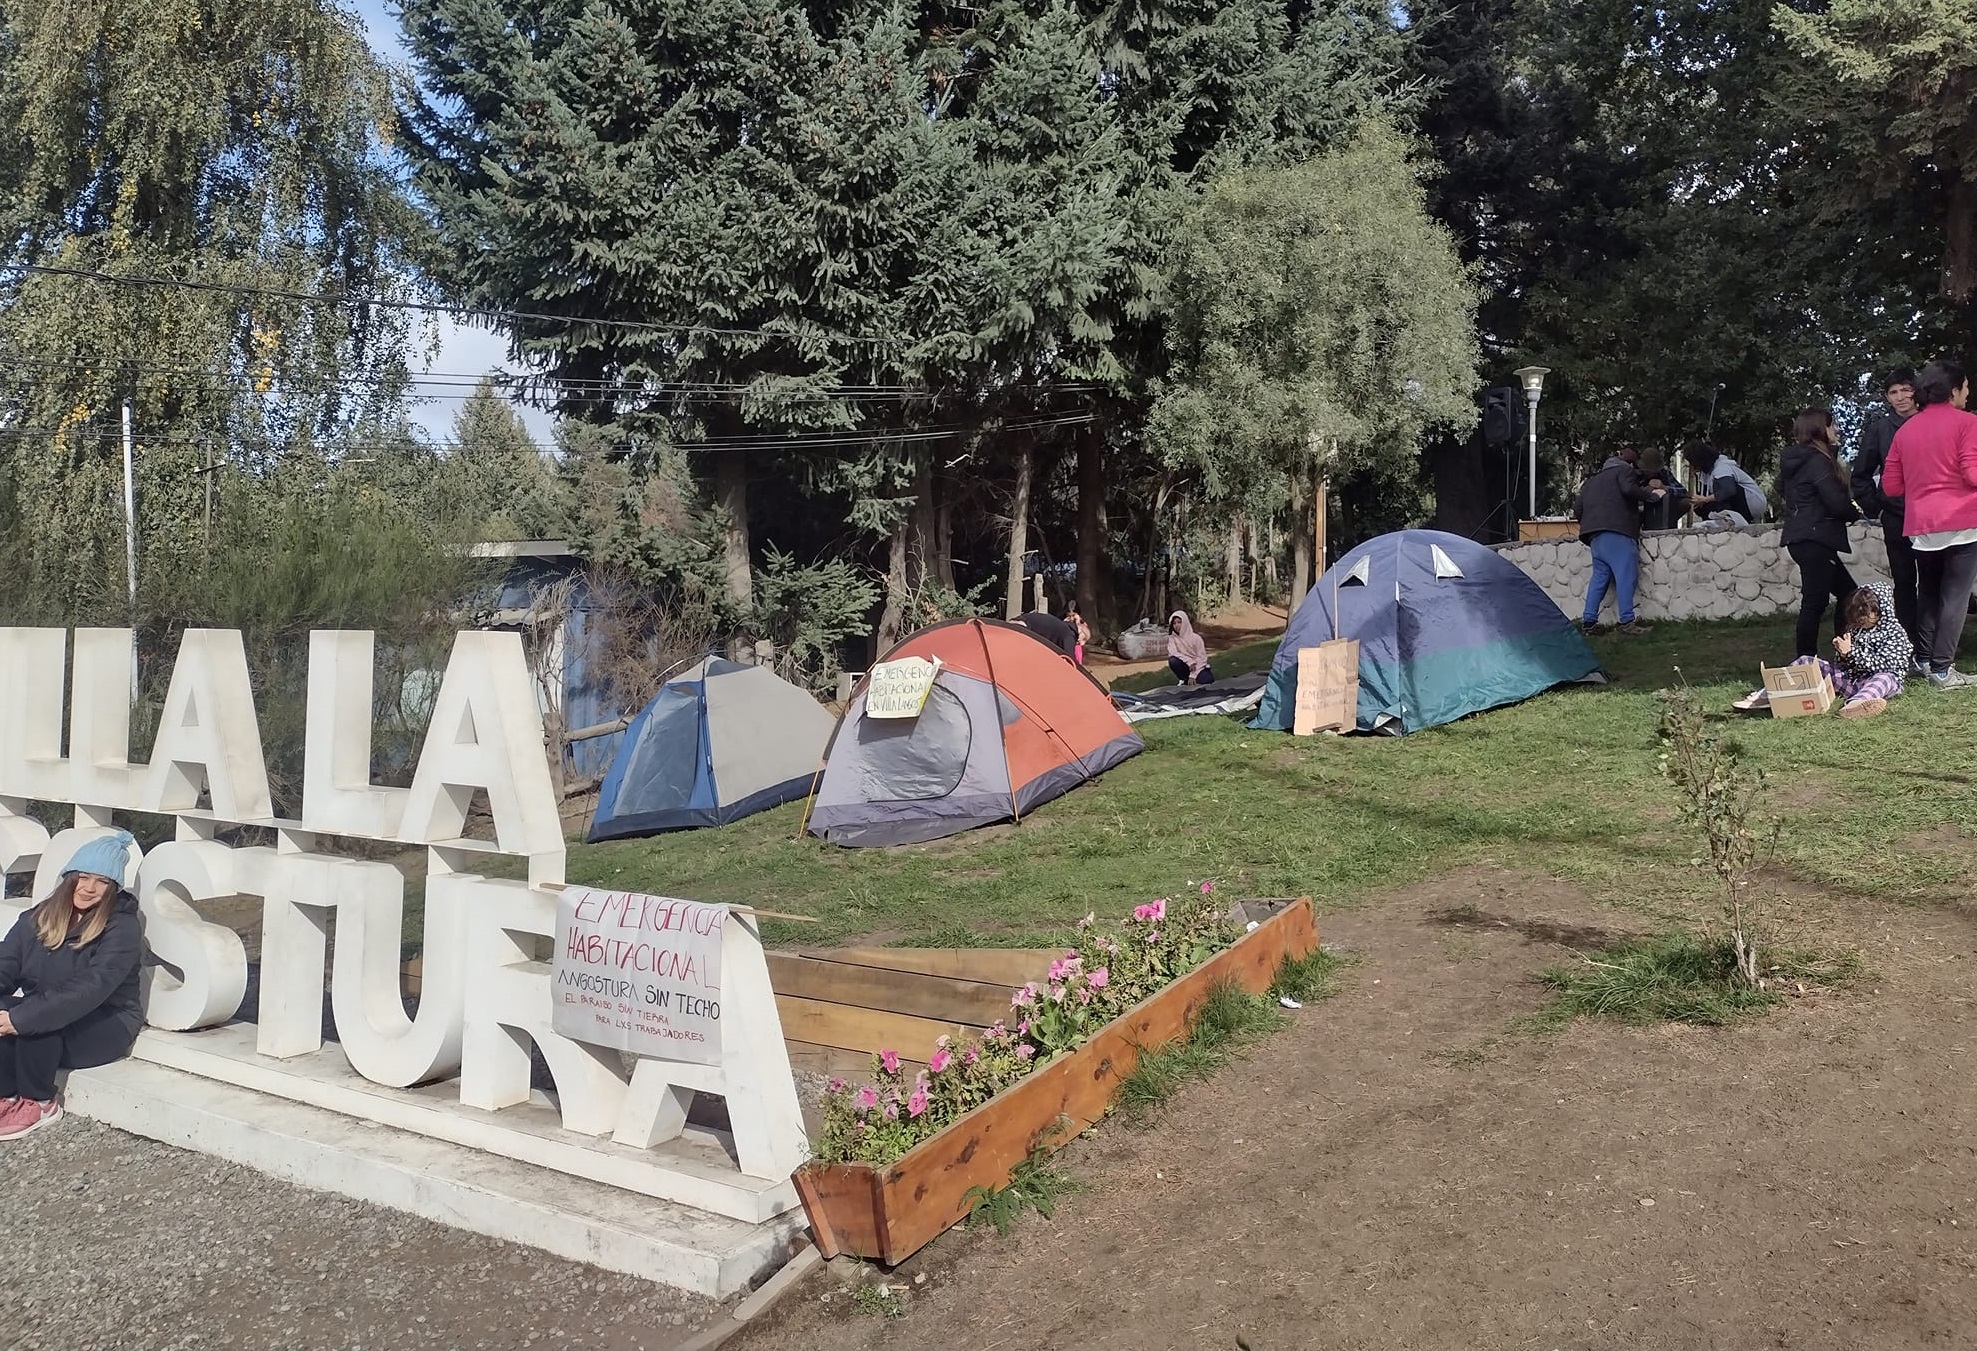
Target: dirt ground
1408 1167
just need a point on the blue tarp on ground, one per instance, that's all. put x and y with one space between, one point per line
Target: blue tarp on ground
1446 627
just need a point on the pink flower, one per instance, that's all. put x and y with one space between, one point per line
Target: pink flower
1153 913
889 1059
1207 887
836 1085
892 1112
1084 995
969 1055
1057 994
1023 1028
1025 1051
998 1031
940 1059
1153 936
1066 966
1024 997
867 1099
917 1104
1100 978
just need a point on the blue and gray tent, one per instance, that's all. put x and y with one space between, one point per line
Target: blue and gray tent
1446 627
718 743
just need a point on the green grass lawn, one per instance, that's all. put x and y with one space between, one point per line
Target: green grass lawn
1565 785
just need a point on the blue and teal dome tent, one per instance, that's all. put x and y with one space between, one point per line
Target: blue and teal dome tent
1446 627
717 743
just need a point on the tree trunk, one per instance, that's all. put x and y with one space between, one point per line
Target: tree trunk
1095 600
731 496
1300 546
1234 562
944 533
1960 262
892 620
1019 529
923 560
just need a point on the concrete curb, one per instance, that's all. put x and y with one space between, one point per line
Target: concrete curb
761 1301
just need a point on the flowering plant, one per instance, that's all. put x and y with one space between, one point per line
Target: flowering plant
1086 988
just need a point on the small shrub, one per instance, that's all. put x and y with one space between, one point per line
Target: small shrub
879 1301
1685 979
1033 1185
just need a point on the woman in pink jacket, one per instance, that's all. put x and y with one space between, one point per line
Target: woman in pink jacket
1933 464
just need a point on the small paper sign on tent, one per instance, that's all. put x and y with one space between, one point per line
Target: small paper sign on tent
899 689
639 973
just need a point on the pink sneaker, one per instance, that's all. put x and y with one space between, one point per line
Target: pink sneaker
27 1116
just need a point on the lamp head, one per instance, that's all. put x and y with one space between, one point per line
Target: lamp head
1533 380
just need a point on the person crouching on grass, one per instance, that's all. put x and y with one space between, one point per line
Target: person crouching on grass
68 984
1874 653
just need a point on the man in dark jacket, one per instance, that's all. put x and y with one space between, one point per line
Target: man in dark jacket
1877 505
1609 513
1052 630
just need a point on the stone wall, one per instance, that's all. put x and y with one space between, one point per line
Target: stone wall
1694 574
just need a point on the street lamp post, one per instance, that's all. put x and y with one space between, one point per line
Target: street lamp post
1533 380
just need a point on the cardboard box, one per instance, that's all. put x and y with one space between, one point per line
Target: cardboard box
1797 691
1327 688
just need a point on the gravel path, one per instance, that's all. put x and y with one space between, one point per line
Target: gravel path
116 1242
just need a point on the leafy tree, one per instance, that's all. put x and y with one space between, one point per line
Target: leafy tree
231 144
495 479
1322 324
1897 88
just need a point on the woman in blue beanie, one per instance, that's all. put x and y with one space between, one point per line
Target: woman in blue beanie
68 984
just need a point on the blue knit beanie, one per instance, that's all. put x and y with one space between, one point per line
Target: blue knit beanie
105 856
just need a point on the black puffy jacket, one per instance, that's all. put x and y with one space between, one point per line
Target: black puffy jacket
60 985
1612 500
1817 505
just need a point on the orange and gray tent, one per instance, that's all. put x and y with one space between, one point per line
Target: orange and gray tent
1009 724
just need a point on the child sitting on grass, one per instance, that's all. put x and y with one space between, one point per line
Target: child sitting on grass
1874 653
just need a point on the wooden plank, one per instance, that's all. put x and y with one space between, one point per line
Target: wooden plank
811 1058
995 966
854 1029
970 1002
922 1195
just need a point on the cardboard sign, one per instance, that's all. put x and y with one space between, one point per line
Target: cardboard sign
899 689
1797 691
1327 688
639 973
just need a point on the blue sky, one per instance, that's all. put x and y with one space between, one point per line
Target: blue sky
465 351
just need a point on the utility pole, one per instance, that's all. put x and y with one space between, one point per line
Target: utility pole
130 539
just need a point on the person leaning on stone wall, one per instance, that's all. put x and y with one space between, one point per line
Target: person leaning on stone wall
1667 513
1725 494
1609 514
69 994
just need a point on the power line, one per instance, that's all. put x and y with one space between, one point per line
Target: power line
489 316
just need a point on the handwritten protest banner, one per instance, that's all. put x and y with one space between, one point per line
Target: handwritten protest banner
1327 688
639 973
899 689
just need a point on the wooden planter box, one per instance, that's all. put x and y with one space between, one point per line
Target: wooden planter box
891 1213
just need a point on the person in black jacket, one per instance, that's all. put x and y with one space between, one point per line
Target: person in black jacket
1609 512
1875 440
1052 630
1818 510
69 995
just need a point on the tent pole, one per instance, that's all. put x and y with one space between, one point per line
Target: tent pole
988 662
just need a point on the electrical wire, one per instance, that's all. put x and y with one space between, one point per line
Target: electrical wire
489 316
